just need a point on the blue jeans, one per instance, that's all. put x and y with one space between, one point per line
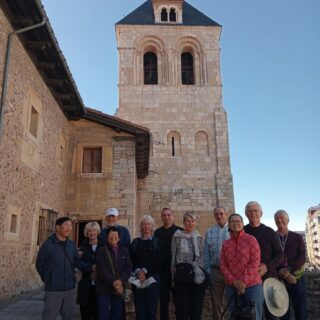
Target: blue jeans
110 307
252 295
146 301
297 294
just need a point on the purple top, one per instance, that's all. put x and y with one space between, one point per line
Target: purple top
294 252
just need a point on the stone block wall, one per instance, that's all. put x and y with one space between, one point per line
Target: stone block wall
31 166
89 194
198 176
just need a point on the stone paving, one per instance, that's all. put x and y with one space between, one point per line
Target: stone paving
28 307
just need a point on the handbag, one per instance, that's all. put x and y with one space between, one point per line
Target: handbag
184 274
246 312
241 311
121 290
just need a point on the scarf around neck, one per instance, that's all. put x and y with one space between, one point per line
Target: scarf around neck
184 244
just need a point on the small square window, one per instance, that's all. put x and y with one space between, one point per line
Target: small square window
34 121
14 223
92 160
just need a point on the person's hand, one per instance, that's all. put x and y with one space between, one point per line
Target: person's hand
93 275
240 286
80 253
291 279
262 269
141 276
284 273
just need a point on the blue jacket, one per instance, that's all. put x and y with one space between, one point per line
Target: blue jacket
55 268
124 236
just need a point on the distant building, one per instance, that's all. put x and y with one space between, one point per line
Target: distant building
313 235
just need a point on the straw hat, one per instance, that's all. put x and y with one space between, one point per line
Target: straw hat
276 296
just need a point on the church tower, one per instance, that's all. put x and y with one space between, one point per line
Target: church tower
170 82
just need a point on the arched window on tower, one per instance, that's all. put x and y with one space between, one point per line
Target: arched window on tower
150 68
174 144
164 14
173 15
201 144
187 72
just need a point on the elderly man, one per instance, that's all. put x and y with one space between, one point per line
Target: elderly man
164 234
214 238
291 269
112 215
271 251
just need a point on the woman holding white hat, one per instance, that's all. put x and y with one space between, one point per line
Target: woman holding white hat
239 262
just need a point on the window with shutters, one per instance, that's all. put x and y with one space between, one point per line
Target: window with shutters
92 160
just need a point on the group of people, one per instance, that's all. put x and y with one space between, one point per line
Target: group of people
232 259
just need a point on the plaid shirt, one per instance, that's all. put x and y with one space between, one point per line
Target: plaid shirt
214 238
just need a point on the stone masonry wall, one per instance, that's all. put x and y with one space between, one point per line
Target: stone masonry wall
190 180
89 194
31 175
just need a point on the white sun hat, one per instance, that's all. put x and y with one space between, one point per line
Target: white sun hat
276 296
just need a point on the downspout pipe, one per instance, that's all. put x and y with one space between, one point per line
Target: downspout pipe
7 64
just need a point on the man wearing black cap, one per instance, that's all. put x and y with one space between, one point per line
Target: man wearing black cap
56 262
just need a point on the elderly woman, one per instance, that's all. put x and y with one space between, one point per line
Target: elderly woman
239 262
147 260
291 269
113 271
86 295
187 253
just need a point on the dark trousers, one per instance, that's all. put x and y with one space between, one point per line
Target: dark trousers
110 307
146 301
90 310
165 289
188 301
297 294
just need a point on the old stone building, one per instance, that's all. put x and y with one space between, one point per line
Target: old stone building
168 145
56 156
170 82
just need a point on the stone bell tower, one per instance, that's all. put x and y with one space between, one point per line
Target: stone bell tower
170 82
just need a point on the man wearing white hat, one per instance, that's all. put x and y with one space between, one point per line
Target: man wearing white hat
112 215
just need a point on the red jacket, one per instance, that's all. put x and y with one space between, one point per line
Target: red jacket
240 260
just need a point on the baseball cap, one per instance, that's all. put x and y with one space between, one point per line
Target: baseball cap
112 212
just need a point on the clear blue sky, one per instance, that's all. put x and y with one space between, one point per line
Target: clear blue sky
271 88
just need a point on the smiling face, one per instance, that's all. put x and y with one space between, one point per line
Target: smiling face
189 224
167 218
221 216
113 238
254 213
111 220
146 229
63 231
235 224
281 221
92 234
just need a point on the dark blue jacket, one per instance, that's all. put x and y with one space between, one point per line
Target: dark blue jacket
55 268
124 236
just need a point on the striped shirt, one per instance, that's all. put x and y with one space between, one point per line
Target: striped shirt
214 238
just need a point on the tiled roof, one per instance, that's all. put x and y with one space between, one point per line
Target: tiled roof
144 15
